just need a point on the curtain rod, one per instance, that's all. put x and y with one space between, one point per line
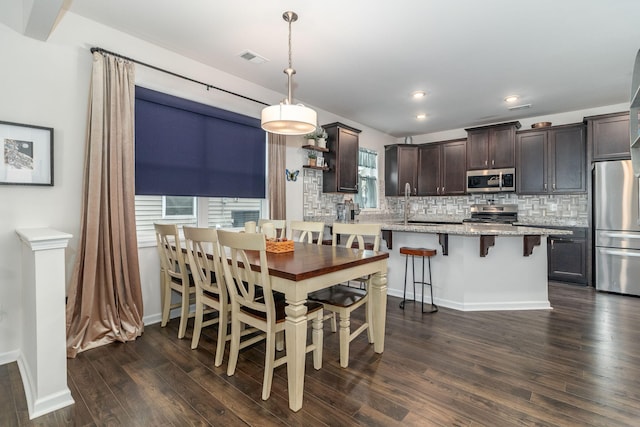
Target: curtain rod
207 85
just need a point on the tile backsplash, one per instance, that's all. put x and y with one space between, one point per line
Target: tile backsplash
571 207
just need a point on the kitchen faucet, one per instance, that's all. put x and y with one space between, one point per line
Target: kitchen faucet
407 192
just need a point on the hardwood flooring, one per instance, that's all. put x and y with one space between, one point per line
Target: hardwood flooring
578 364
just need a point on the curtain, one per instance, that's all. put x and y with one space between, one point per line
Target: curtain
277 164
105 297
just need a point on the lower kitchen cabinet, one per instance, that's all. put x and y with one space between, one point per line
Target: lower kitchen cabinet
567 257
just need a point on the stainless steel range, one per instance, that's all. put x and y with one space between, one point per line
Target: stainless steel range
493 214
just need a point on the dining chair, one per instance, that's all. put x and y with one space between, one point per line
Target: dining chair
259 309
342 300
279 224
174 276
304 231
203 255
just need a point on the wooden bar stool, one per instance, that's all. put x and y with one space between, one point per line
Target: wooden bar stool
424 253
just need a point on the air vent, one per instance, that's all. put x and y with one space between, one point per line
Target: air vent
520 107
252 57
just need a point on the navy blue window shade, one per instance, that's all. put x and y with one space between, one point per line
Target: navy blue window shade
184 148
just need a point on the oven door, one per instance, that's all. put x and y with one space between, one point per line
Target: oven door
491 180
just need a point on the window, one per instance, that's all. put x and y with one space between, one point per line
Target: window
178 207
367 196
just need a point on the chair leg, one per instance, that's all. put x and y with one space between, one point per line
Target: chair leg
334 326
197 326
184 312
317 339
235 344
404 292
280 341
165 300
269 363
345 332
222 335
369 319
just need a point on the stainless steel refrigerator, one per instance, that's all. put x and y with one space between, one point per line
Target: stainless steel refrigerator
617 239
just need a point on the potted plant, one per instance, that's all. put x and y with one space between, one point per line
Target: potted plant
311 138
321 138
312 157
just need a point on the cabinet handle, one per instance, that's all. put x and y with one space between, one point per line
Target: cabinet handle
442 190
437 190
554 186
485 163
552 242
545 186
493 162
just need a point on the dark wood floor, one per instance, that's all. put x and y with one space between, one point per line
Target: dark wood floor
578 364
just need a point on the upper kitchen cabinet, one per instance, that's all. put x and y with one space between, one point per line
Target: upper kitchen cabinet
608 136
492 147
400 167
551 161
342 159
441 168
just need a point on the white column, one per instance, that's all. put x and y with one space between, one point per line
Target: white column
43 351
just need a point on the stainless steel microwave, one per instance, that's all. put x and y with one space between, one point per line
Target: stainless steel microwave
491 180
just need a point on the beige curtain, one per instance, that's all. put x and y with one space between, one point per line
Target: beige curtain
277 193
105 298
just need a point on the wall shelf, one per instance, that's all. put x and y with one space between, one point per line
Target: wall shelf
315 148
322 168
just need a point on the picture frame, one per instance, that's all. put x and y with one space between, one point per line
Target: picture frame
26 154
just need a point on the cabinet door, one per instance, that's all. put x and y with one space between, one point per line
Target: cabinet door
531 163
502 147
429 170
609 137
567 259
347 161
407 168
478 149
453 174
567 160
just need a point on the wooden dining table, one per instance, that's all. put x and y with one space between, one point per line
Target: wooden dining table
312 267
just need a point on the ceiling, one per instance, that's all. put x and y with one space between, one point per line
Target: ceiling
361 59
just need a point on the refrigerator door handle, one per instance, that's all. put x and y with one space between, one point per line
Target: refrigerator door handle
620 252
619 234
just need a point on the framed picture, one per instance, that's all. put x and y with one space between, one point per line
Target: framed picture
27 154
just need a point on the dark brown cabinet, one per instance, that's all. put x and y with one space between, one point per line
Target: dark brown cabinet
342 159
551 161
492 147
441 168
609 136
567 257
400 167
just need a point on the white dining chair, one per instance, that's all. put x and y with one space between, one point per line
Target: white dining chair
253 304
342 300
174 276
203 254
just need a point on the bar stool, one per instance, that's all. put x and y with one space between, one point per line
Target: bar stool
424 253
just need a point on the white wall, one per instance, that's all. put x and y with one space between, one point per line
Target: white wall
47 84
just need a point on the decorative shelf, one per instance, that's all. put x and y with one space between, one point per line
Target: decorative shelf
322 168
315 148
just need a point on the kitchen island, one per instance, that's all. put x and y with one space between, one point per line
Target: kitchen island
477 266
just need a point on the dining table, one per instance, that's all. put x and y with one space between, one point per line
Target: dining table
308 268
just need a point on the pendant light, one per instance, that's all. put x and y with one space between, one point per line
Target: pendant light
287 118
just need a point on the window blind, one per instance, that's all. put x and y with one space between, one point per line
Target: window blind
185 148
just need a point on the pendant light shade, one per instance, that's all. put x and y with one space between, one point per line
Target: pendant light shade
288 118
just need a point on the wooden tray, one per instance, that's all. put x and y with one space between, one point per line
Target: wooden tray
279 247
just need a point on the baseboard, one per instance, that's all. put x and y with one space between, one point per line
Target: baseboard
9 357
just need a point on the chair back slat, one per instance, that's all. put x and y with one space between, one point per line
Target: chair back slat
172 259
357 232
206 270
305 231
243 283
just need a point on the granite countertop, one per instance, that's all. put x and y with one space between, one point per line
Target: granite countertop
449 225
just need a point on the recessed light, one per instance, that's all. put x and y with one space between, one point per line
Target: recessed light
421 116
418 94
511 99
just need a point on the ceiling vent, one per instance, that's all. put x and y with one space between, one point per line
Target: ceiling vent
520 107
252 57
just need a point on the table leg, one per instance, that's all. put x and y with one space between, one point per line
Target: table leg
379 301
296 340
